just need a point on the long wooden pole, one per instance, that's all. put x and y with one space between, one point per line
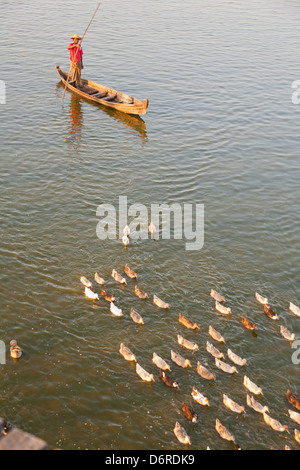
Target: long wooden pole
98 6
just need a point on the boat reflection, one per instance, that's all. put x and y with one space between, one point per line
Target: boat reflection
134 123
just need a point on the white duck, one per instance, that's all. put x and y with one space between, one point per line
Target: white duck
117 312
90 294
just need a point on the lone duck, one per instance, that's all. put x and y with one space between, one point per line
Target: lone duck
136 317
223 432
256 406
274 424
167 379
262 300
15 350
127 353
140 294
248 324
216 335
186 322
85 282
222 309
236 359
293 400
225 367
199 398
143 374
160 363
117 312
187 344
205 373
179 360
294 309
214 351
189 413
270 313
130 273
125 240
252 387
99 279
181 434
90 294
117 277
216 296
160 303
295 416
232 405
107 296
287 334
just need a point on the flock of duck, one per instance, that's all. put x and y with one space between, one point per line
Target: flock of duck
219 357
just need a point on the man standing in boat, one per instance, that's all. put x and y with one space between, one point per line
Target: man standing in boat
76 54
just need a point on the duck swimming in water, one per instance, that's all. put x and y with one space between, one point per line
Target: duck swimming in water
295 416
130 273
90 294
85 282
99 279
167 379
136 317
216 296
160 363
252 387
179 360
225 367
107 296
232 405
181 434
127 353
186 322
270 313
117 312
223 432
214 351
199 398
274 424
216 335
262 300
152 229
117 277
143 374
205 373
15 350
160 303
187 344
294 309
248 324
287 334
222 309
293 400
140 294
189 413
256 406
126 231
125 240
236 359
297 436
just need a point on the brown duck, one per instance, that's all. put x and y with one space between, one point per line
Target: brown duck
248 324
167 379
293 400
107 296
189 413
130 273
269 312
140 294
186 322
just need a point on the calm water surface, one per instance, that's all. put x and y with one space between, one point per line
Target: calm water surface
221 130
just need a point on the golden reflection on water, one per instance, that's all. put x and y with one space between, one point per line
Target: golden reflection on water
75 119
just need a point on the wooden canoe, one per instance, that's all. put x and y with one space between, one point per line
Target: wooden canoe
106 96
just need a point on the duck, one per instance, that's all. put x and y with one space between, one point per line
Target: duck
262 300
107 296
216 296
140 294
99 279
251 386
294 309
129 272
136 317
160 363
256 406
179 360
248 324
236 359
223 432
15 350
167 379
297 436
225 367
117 277
127 353
295 416
143 374
189 413
125 240
160 303
222 309
214 351
287 334
85 282
181 434
232 405
90 294
187 344
270 312
274 424
216 335
204 373
186 322
126 231
152 229
117 312
199 397
293 400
